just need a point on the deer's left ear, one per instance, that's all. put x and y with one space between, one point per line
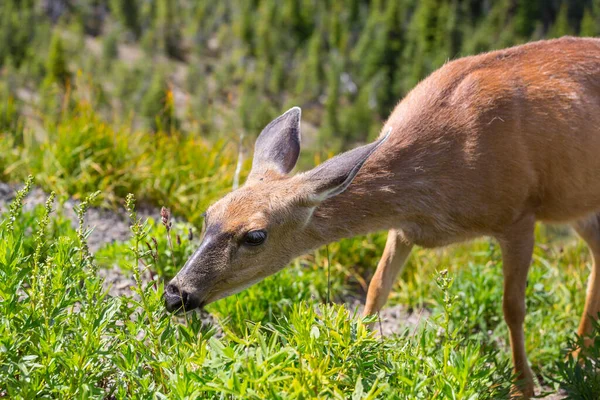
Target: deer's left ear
336 174
278 145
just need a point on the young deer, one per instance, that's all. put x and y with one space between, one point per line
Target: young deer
485 146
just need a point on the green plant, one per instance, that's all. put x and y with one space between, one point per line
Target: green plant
579 375
62 335
56 67
81 154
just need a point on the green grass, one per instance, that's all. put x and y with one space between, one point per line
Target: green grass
61 335
79 154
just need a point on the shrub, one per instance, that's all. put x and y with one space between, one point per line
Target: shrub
62 335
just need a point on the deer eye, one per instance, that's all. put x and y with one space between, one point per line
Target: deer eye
255 238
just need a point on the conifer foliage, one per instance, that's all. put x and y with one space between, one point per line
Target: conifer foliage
347 63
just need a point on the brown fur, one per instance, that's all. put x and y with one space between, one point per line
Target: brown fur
486 145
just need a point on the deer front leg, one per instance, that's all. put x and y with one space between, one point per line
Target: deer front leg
391 263
517 247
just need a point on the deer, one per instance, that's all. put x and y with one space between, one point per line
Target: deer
485 146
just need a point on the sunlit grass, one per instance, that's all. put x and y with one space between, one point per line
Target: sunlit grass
61 335
80 154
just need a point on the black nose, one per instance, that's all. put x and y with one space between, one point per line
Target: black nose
177 299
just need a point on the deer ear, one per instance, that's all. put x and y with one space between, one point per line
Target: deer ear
278 145
336 174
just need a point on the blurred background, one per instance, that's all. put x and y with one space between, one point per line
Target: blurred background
223 68
219 71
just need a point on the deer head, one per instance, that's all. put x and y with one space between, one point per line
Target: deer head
256 230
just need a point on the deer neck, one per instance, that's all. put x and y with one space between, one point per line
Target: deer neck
370 204
392 191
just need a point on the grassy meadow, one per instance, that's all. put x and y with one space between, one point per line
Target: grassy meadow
139 104
63 336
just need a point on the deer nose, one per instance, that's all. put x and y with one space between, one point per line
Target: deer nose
177 299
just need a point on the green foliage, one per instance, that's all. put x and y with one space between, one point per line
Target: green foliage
158 105
81 155
561 25
126 12
589 24
61 335
527 14
56 65
276 336
167 28
266 54
18 23
110 48
579 375
10 118
166 251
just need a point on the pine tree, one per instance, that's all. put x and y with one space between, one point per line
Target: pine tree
359 120
370 49
311 69
158 106
486 33
168 29
528 11
561 24
331 120
588 24
242 25
267 33
110 48
277 77
254 111
126 12
18 23
56 64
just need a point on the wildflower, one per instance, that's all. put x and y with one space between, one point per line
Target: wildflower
165 215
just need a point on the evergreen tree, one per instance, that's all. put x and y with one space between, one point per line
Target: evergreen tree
158 104
260 54
18 22
277 77
310 69
359 121
110 48
528 11
588 24
10 118
168 29
561 24
126 12
56 64
331 121
254 111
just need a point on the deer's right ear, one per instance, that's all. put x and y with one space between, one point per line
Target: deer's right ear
278 145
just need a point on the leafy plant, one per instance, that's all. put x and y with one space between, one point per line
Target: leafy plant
579 375
62 335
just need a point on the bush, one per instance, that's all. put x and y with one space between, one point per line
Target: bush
579 375
56 64
62 335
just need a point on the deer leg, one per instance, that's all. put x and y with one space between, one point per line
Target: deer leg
589 231
391 263
517 247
